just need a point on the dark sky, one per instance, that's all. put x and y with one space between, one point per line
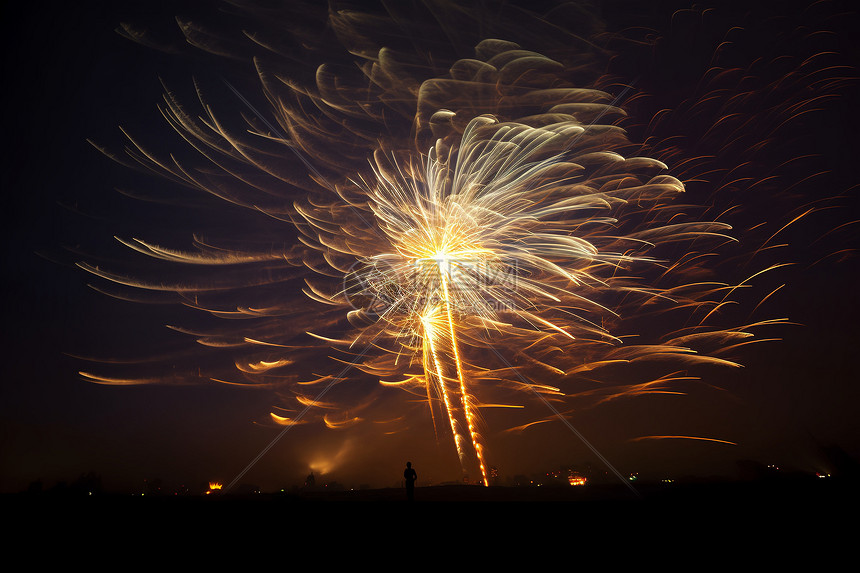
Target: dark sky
69 77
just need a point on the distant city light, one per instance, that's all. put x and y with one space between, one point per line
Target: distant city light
214 486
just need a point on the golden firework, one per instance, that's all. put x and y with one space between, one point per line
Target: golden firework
475 235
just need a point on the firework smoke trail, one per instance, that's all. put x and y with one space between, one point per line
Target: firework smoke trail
501 206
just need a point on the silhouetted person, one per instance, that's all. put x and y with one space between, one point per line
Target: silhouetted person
410 476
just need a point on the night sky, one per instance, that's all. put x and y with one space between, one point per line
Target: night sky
70 77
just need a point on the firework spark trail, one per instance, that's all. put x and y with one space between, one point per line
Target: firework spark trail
465 396
297 418
435 370
570 426
319 176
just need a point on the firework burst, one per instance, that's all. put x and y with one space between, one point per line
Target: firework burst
476 235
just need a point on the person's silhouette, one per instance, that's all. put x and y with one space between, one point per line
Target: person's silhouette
410 476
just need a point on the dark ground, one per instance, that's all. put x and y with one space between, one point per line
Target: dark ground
797 492
769 522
